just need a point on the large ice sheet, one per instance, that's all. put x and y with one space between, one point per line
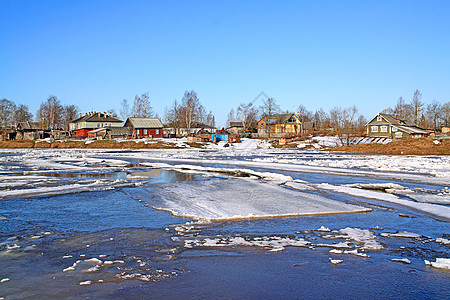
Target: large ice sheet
242 198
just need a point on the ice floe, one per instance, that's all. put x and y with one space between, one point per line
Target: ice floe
239 199
402 260
272 243
440 263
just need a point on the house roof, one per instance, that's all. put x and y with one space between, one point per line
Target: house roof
390 119
96 117
412 129
236 124
194 125
145 122
118 131
30 125
277 119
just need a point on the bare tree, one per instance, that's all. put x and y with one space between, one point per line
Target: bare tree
303 114
401 109
445 114
247 114
50 113
7 108
70 113
231 117
112 113
22 114
270 107
190 108
344 123
433 114
172 116
320 118
416 107
124 109
211 120
142 107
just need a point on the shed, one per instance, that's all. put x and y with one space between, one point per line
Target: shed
145 127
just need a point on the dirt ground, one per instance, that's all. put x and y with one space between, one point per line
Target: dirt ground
422 146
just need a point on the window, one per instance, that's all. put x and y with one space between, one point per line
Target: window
384 129
398 134
157 131
374 128
262 125
145 131
279 127
379 118
137 131
394 129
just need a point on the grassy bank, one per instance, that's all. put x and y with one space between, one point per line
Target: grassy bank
423 146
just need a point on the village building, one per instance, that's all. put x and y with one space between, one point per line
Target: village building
175 130
145 127
91 121
30 131
388 126
280 125
236 128
110 133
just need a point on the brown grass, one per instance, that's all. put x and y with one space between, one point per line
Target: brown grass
423 146
82 144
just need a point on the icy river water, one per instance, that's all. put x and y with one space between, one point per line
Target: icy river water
198 224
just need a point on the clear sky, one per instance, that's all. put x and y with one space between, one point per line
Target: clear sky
315 53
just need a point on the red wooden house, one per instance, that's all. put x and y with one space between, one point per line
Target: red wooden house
145 127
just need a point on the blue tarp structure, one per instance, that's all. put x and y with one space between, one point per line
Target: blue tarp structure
219 137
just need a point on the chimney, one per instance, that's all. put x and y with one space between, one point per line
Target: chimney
99 115
80 115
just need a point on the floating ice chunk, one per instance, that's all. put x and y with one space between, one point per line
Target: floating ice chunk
427 198
342 245
94 260
324 229
442 241
93 269
234 198
299 186
363 236
402 260
355 252
69 269
336 251
12 247
440 263
2 218
4 280
403 234
87 282
335 261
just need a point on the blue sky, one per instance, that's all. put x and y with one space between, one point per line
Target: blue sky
315 53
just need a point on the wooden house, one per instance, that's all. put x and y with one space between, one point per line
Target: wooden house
236 128
388 126
280 125
110 133
175 129
30 131
145 127
91 121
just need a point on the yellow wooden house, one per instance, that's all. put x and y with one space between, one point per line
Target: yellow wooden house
279 125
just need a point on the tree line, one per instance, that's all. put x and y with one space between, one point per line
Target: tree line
432 116
52 114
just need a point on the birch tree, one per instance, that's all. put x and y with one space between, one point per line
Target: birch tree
7 109
416 107
247 114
